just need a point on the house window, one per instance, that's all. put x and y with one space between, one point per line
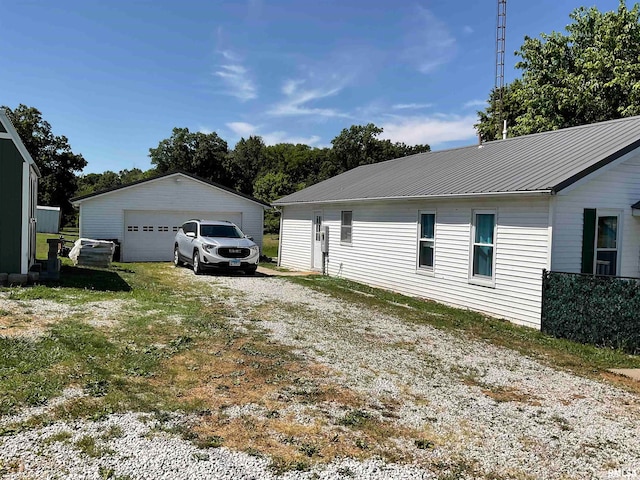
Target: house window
601 241
426 240
606 257
346 225
483 245
132 228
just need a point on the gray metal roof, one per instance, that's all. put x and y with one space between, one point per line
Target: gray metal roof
544 162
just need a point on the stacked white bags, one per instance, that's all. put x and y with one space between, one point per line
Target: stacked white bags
92 253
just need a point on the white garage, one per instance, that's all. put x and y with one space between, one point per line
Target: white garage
143 217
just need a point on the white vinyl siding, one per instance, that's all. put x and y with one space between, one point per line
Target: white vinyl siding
613 190
296 238
103 217
522 253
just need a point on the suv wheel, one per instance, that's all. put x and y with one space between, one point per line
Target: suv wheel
251 270
197 269
176 257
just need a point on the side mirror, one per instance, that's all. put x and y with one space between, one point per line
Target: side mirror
191 234
249 237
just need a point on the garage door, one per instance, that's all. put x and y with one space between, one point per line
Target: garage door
149 235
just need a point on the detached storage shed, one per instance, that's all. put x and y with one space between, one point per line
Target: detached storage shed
18 196
144 216
48 219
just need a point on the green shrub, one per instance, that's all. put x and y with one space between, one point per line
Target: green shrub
603 311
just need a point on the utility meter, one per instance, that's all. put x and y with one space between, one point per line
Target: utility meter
324 239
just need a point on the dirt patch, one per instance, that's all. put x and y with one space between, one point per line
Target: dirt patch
31 318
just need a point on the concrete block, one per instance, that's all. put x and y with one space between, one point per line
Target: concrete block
3 279
33 277
17 279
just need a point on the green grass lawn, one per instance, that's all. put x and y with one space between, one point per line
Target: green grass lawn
270 245
42 247
169 347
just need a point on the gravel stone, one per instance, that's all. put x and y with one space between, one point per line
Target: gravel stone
550 424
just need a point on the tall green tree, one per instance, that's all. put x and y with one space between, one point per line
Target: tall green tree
589 74
202 154
245 162
97 182
301 163
359 145
53 155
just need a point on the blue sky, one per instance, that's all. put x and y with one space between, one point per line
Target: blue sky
116 76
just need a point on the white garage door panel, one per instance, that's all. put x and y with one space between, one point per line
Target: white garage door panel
149 235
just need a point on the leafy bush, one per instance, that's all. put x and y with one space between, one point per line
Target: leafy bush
604 311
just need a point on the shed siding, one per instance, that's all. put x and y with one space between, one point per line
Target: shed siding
383 252
48 219
616 189
11 220
103 216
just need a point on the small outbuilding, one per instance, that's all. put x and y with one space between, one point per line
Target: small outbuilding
48 219
18 197
474 227
143 217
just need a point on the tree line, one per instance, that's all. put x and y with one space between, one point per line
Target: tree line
589 74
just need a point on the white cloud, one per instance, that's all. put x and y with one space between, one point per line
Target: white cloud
475 103
243 129
296 99
229 55
237 80
282 137
468 29
411 106
232 73
429 42
434 130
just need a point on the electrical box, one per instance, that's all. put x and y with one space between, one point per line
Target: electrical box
324 239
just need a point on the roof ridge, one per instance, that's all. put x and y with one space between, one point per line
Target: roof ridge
574 127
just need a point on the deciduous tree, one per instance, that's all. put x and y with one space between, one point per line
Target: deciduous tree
202 154
589 74
53 155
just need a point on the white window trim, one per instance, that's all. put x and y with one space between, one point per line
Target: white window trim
420 269
609 213
344 242
479 279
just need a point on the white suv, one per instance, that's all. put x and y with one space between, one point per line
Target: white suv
208 244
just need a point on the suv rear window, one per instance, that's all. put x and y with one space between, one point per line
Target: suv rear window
228 231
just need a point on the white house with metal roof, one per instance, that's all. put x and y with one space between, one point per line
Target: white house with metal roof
474 227
144 216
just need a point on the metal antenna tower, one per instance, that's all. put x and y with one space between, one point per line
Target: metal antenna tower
501 33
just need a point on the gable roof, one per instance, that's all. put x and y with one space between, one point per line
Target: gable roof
7 130
77 200
543 163
636 206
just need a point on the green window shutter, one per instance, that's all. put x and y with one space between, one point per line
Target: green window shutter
588 239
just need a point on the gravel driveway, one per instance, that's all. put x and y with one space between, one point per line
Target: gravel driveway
490 408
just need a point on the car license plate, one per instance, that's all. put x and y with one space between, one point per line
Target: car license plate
234 262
